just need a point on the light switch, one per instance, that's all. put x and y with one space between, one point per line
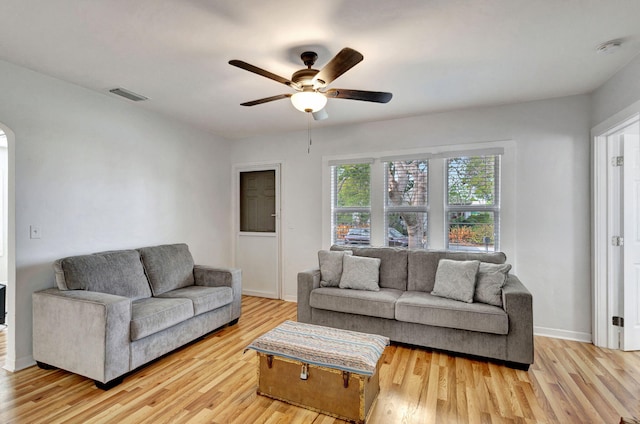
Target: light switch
34 232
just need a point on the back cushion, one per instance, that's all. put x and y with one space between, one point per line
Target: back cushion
423 265
119 272
168 267
393 264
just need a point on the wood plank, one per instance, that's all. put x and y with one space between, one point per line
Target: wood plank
214 381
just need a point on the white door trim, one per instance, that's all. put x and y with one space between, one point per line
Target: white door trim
276 166
14 319
599 263
603 293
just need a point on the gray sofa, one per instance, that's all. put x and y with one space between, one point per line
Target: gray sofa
405 310
113 312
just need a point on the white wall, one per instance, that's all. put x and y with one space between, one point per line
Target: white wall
551 253
620 91
97 173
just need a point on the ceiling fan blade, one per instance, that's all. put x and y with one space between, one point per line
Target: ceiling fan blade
346 59
265 100
367 96
249 67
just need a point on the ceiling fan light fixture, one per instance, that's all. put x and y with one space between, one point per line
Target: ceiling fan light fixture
308 101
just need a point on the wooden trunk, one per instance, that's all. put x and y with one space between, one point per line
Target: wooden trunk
343 395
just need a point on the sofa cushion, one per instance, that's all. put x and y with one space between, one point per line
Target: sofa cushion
489 282
331 267
360 273
153 314
393 264
423 264
424 308
168 267
204 299
118 272
456 280
362 302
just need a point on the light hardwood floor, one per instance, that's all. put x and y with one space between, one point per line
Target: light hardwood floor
213 381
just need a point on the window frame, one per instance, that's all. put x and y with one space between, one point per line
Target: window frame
335 210
436 218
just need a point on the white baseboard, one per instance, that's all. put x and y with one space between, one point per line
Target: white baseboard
562 334
20 364
258 293
293 299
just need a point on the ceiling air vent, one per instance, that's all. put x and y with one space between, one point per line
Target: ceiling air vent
128 94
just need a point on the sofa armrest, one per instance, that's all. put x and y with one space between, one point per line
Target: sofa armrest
222 277
518 304
307 281
84 332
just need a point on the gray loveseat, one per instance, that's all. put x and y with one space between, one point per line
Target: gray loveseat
113 312
405 310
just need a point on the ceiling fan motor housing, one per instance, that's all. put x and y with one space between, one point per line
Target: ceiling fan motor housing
304 77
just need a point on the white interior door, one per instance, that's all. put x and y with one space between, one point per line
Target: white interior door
616 233
631 242
615 264
257 227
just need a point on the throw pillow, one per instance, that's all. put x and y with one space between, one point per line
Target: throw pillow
491 279
331 267
456 279
360 273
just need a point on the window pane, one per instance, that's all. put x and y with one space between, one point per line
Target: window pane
406 203
350 200
472 231
258 201
352 228
407 183
407 229
472 180
352 185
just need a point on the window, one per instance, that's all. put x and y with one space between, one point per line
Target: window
447 199
351 203
258 201
473 203
406 202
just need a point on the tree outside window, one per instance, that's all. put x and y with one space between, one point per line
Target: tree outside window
470 207
351 204
406 203
473 202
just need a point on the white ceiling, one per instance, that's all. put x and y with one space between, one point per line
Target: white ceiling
432 55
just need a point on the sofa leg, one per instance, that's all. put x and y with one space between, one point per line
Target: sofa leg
109 384
234 322
44 366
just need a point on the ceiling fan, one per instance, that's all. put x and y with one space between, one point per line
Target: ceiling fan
310 84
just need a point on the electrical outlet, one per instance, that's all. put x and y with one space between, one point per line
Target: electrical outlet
34 232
